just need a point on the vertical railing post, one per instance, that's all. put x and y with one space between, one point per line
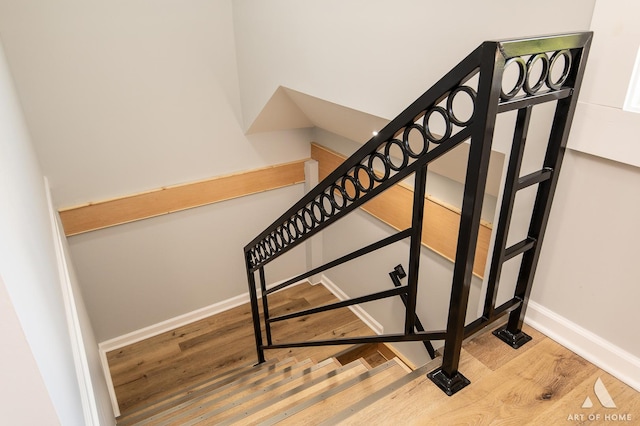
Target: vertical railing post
447 377
414 249
265 304
255 311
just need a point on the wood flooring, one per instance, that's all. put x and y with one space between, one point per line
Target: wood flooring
541 383
159 366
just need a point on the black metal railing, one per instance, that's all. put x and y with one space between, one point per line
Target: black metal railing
547 69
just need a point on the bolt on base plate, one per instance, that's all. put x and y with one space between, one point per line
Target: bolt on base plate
448 385
515 340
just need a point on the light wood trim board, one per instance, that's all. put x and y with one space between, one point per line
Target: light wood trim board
394 207
103 214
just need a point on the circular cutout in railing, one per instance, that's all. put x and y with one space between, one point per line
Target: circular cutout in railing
415 140
363 177
537 70
513 76
461 105
559 68
378 162
436 122
395 155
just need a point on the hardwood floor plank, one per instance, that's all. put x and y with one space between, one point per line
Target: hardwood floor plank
527 384
568 409
487 349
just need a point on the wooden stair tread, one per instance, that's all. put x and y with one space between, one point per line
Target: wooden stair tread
330 401
145 371
219 404
226 382
260 410
220 380
268 395
220 397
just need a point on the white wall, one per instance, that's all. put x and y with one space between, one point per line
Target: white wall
123 97
588 268
19 369
145 272
375 56
40 385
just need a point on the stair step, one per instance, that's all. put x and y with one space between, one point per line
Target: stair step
393 394
204 386
217 396
322 405
309 391
374 353
224 403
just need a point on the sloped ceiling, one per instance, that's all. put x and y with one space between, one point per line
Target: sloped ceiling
290 109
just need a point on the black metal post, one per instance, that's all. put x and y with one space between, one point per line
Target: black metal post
395 275
255 311
447 377
414 248
265 304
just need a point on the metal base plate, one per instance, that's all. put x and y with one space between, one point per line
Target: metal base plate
448 385
514 340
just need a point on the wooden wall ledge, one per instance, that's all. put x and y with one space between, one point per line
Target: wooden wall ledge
394 206
103 214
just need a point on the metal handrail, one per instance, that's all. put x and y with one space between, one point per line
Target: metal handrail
372 169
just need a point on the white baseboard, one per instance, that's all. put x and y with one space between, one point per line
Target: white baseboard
171 323
360 312
600 352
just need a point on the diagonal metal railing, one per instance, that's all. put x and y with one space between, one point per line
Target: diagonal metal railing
462 106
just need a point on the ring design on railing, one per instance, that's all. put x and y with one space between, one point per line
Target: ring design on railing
543 77
391 156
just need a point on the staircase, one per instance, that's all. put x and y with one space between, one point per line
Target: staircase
289 391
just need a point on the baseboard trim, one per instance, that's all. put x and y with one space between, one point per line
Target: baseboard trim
171 323
600 352
356 309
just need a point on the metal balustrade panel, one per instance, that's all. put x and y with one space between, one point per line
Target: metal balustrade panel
548 69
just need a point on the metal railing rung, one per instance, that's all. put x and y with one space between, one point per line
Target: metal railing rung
534 178
416 337
356 300
360 252
518 103
519 248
